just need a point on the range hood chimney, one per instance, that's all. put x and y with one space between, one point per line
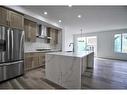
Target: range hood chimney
42 32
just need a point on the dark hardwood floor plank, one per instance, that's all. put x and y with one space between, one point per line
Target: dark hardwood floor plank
6 85
15 84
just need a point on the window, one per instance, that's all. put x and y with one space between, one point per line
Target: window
124 42
120 43
87 44
81 43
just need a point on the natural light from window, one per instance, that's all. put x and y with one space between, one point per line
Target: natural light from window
87 44
120 43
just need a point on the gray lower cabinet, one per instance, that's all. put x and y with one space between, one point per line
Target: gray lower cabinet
34 60
1 73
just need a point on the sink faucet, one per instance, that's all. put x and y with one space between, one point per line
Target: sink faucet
72 45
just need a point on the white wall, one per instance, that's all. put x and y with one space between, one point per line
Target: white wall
105 44
94 19
68 37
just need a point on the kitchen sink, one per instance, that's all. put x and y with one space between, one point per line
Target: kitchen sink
43 49
69 51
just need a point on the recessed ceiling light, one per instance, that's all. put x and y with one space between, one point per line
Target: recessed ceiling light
45 13
60 21
69 5
79 16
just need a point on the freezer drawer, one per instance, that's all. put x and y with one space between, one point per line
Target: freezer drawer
11 70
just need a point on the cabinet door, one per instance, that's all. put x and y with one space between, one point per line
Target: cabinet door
41 59
26 30
54 35
33 30
28 63
16 20
35 63
48 34
33 60
30 29
11 19
1 73
4 17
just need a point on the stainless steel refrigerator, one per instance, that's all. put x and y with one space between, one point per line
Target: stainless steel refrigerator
11 53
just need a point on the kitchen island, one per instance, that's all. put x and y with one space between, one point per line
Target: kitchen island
66 68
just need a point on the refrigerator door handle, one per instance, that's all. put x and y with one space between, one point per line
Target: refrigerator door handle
12 45
8 43
11 63
21 45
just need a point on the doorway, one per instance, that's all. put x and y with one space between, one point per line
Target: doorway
87 44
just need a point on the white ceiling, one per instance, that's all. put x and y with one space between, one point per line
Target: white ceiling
92 16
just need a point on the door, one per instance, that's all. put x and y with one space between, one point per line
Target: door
4 44
11 44
17 44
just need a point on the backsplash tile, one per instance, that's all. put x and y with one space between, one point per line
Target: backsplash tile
39 44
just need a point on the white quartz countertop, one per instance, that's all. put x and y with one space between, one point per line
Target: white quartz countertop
72 54
45 51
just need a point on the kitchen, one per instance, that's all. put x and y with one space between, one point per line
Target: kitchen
42 53
15 58
35 38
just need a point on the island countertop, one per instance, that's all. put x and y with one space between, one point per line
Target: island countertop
66 68
72 54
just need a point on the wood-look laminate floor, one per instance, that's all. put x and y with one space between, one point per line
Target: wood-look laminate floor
107 74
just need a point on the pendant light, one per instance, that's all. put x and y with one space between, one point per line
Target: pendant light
82 40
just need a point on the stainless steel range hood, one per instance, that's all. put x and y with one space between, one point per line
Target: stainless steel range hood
42 32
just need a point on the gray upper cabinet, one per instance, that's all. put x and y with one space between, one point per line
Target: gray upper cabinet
30 29
53 33
16 20
4 17
11 19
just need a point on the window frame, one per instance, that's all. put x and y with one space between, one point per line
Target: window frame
121 40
